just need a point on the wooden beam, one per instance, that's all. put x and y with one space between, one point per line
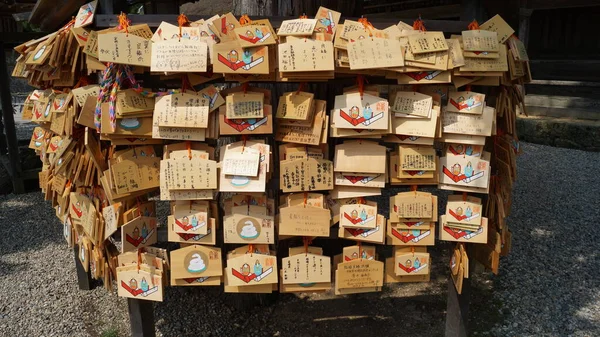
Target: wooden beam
390 4
154 20
437 12
553 4
49 15
17 38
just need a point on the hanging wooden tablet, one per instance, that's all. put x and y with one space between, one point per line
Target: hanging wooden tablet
248 228
411 237
183 55
191 217
411 261
304 221
374 235
360 157
498 25
244 105
480 40
356 274
412 104
125 49
306 175
262 125
356 111
305 56
466 102
252 269
369 52
139 232
426 42
358 216
144 284
193 262
191 238
447 233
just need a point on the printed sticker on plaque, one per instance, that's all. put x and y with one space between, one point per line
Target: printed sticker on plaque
358 216
466 102
412 263
351 111
232 58
252 269
254 35
139 232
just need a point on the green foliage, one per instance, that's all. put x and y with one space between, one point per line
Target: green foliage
110 332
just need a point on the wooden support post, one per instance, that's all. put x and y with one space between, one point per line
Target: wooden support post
524 16
457 308
141 318
9 125
84 279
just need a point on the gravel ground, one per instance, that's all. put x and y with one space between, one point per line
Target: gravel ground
547 286
550 283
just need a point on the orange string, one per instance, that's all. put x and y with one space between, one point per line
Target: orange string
464 196
139 259
360 82
413 188
306 241
305 198
182 21
250 249
419 25
188 145
68 25
303 16
244 139
359 244
245 87
183 81
367 25
473 25
82 82
245 20
301 87
139 206
124 22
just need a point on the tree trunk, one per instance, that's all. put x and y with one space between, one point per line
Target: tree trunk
254 7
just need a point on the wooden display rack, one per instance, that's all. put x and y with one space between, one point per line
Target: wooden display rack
141 312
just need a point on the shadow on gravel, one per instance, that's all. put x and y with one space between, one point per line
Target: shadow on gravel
550 283
410 309
26 223
289 315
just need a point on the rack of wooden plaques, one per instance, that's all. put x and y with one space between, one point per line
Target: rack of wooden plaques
141 312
